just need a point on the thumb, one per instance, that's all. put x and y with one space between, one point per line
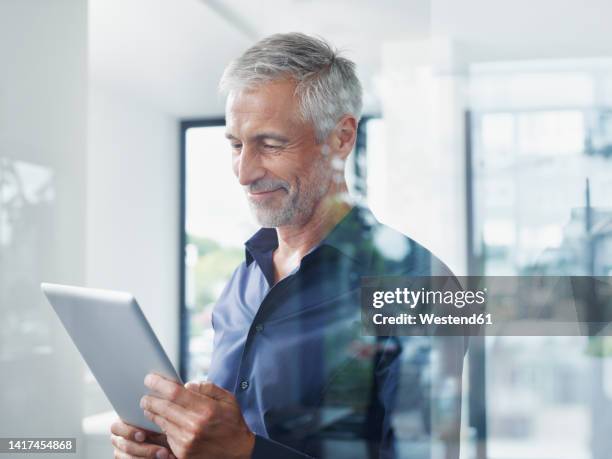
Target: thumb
208 389
192 385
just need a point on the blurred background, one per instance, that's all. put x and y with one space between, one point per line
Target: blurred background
487 137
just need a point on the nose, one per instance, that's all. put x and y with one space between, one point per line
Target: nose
247 166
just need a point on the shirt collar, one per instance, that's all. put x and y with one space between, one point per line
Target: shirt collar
264 240
352 236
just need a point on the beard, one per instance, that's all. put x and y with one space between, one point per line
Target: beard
297 203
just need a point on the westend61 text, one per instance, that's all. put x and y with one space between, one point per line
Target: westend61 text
432 319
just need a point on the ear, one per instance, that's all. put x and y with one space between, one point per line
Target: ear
342 138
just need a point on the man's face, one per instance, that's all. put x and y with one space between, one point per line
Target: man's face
275 156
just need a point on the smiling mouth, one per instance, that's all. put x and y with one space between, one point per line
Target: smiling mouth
261 194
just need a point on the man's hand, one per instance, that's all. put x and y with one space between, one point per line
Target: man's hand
199 419
133 442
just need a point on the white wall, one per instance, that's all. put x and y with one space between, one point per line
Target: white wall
132 236
43 85
421 174
133 207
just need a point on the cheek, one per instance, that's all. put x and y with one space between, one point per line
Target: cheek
235 164
280 168
318 168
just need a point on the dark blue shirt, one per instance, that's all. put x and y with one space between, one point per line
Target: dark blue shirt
309 384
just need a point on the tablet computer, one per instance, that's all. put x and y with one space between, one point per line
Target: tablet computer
118 344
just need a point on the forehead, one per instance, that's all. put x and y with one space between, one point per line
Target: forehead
269 103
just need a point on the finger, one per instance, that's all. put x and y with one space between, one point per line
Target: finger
130 432
143 450
168 389
169 428
176 414
157 439
208 389
127 431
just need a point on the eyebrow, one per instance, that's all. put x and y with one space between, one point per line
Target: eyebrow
262 136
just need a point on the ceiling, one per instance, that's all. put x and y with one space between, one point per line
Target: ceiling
489 30
171 53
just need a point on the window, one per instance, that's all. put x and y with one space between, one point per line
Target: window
216 223
540 203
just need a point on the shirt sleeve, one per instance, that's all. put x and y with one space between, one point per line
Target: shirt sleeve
269 449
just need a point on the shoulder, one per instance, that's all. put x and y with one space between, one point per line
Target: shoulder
396 254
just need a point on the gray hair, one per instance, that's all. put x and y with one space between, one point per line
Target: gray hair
327 85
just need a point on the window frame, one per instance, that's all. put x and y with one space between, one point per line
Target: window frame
185 125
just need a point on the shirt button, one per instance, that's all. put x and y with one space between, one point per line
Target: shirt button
259 328
244 385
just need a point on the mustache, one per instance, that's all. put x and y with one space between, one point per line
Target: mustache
263 185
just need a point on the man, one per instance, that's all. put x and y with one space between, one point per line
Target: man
291 373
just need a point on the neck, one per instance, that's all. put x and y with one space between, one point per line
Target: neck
295 241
